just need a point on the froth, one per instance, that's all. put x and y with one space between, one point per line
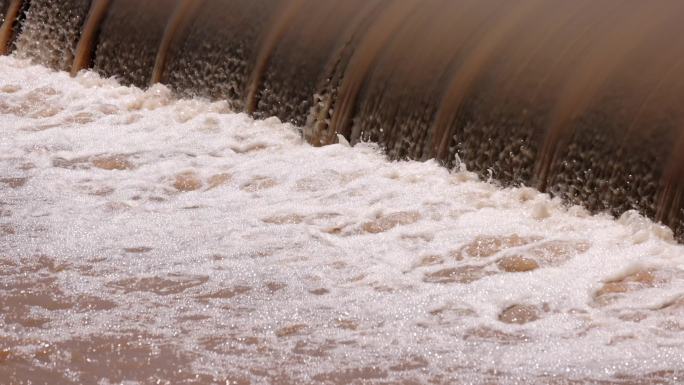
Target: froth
137 227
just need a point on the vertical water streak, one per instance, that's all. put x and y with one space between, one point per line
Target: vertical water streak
591 75
275 33
180 19
7 30
318 129
215 55
361 62
497 130
398 100
600 158
469 71
289 81
86 44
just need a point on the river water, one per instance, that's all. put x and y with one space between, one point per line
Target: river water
146 239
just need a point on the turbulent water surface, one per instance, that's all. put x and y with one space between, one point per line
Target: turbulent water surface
145 239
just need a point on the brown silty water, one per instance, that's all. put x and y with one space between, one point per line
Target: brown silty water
580 99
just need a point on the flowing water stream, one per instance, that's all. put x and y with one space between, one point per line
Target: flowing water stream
156 240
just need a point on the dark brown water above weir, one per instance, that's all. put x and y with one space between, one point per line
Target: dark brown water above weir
578 98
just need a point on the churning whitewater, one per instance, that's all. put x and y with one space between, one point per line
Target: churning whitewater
146 239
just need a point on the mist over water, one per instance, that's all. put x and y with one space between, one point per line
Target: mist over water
149 239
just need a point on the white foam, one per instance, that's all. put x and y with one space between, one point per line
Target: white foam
334 255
